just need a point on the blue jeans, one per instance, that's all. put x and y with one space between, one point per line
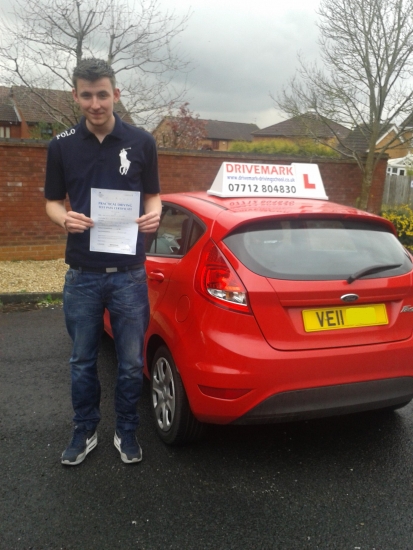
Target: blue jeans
85 297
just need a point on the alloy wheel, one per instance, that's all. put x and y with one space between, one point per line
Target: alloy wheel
163 394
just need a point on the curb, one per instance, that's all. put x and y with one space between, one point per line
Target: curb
29 297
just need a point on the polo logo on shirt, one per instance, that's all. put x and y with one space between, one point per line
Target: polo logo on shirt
124 162
66 133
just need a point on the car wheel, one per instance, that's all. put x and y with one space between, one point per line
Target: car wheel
174 420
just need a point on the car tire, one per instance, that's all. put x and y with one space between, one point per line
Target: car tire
174 421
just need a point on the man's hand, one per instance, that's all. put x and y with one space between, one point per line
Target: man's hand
77 223
149 223
73 222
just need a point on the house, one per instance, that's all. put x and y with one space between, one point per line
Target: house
395 147
215 135
40 113
304 127
9 117
398 148
220 134
311 126
400 166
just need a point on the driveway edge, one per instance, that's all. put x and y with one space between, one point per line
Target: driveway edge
29 297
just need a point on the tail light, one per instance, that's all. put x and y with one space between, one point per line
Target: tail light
217 281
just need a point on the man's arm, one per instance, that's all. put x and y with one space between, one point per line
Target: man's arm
73 222
149 222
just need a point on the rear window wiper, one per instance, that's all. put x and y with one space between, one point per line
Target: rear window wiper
370 270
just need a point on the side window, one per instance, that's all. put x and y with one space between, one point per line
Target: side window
170 237
196 233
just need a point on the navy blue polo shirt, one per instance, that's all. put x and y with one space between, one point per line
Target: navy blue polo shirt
77 161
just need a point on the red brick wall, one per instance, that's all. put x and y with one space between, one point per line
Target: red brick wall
25 230
27 233
195 171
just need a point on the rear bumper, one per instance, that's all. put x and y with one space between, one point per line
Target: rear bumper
330 401
230 353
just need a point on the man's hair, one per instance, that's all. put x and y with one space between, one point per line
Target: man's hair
92 70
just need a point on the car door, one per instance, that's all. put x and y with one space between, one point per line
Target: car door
164 249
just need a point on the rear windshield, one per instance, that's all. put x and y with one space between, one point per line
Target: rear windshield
318 249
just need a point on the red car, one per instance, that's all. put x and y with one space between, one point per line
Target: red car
267 309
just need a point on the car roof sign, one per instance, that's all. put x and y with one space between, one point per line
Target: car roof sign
297 180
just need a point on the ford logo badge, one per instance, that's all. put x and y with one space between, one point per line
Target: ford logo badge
349 297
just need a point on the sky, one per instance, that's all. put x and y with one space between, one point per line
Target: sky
242 51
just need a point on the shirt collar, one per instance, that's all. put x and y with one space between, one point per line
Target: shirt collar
116 132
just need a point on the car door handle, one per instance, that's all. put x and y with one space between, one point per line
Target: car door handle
156 276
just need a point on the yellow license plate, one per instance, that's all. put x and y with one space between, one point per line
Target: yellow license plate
344 317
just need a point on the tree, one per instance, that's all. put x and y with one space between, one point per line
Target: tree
181 129
44 130
44 40
366 47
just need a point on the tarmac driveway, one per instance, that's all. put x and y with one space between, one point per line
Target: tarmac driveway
332 484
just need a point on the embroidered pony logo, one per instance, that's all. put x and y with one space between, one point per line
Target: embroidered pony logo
124 162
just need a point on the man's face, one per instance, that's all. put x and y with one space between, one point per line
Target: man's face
96 100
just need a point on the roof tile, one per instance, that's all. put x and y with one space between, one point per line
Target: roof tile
217 129
7 110
44 105
306 125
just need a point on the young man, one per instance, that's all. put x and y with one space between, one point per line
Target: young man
102 152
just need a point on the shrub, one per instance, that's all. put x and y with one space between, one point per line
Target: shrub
304 148
46 130
402 218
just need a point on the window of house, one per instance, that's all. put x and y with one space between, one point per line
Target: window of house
4 131
396 171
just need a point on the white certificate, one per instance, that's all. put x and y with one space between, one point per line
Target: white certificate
114 215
